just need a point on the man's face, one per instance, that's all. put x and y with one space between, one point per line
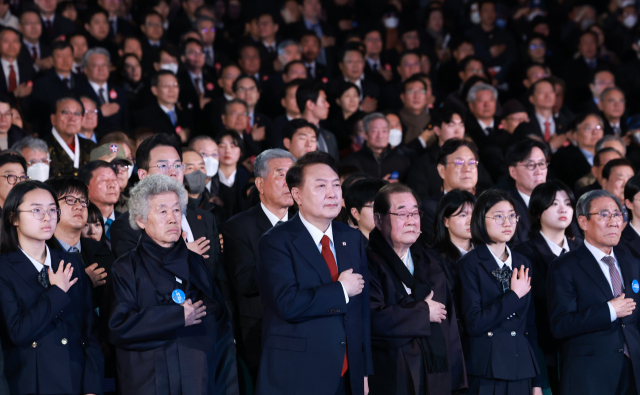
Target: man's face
247 91
250 60
164 221
411 40
167 156
464 50
47 6
484 107
321 107
373 43
206 148
588 46
166 58
229 74
104 187
167 90
31 26
602 81
111 6
133 46
451 130
415 97
613 105
207 31
378 134
409 65
617 180
289 102
274 188
320 196
296 71
599 232
14 169
90 118
534 74
544 96
311 9
352 65
400 231
62 60
473 68
511 122
193 161
289 54
190 6
488 14
32 156
194 56
310 48
463 177
9 44
98 26
79 44
97 69
236 118
527 180
152 27
266 28
5 118
72 217
589 132
68 117
604 159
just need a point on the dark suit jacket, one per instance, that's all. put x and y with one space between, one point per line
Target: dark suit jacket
391 161
49 337
497 323
26 56
233 198
524 224
330 140
533 127
155 118
61 163
569 164
630 242
61 27
26 73
578 293
307 324
369 88
189 96
116 122
123 26
577 75
539 254
46 92
14 135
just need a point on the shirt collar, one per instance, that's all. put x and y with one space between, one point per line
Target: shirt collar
6 63
484 126
633 227
38 265
167 109
499 261
542 120
524 197
587 155
556 249
597 253
111 217
227 181
272 217
463 252
96 87
194 76
66 246
317 234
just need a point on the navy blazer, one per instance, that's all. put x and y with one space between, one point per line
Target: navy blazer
49 337
524 223
577 293
500 326
630 242
307 324
116 122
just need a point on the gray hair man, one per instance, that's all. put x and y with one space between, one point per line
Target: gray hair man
36 153
593 291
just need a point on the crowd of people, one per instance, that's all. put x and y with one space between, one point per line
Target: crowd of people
319 197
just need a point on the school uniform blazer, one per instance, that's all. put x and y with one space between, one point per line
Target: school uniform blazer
307 323
49 337
577 293
500 326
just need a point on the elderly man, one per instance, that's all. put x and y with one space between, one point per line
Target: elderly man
311 279
481 123
66 150
412 313
118 154
166 316
592 295
36 153
104 191
376 157
112 101
615 175
241 235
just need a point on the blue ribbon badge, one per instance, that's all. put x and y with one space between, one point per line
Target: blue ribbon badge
635 286
178 296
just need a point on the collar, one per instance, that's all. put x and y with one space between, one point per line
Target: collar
310 25
556 249
111 217
509 260
408 262
38 265
227 181
228 97
463 252
524 197
194 76
597 253
373 62
312 64
28 44
50 19
587 155
6 64
63 77
634 228
542 120
167 109
317 234
272 217
289 118
484 126
96 87
66 246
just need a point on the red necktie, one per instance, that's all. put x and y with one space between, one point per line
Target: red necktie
333 269
35 53
13 79
547 131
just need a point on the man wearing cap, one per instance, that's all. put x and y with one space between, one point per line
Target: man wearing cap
120 159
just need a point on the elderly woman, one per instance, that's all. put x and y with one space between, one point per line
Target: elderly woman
166 316
415 342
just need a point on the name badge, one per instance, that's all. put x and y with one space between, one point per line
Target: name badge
635 285
178 296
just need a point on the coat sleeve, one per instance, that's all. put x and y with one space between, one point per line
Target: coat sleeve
240 260
280 290
137 328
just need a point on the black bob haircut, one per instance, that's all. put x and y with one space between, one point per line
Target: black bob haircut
237 140
521 151
454 201
295 175
485 202
86 173
11 157
542 198
360 193
158 140
65 185
631 189
9 241
452 145
294 125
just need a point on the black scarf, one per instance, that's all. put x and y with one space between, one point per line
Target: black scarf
435 346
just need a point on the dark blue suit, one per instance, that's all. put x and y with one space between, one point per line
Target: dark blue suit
306 320
116 122
49 338
578 293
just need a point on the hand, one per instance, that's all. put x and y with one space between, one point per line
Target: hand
497 50
388 178
536 391
369 104
184 135
353 282
199 246
387 74
45 63
257 132
204 101
426 135
557 141
437 311
23 90
96 274
327 41
108 157
366 385
623 306
62 278
221 242
193 312
108 109
521 282
345 24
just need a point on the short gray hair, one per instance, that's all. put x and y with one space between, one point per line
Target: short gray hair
609 90
366 121
600 144
261 165
288 43
583 207
149 187
31 142
481 87
94 51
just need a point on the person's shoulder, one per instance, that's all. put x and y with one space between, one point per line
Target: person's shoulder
242 218
346 230
96 247
86 144
525 248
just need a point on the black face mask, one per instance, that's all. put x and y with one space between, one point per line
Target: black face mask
195 182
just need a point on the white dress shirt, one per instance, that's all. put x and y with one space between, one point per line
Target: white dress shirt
105 91
227 181
598 255
508 262
485 126
5 68
524 197
316 235
556 249
372 63
552 124
272 217
38 265
187 228
408 262
463 252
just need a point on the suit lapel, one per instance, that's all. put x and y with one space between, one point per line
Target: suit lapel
262 221
592 268
341 245
303 242
544 250
196 223
632 239
488 262
27 272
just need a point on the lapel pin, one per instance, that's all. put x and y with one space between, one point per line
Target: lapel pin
199 216
344 243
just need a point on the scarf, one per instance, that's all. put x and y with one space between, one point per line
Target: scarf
414 124
435 348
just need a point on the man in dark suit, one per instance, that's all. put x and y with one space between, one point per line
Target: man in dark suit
527 162
165 115
112 101
241 235
592 295
313 281
196 82
311 47
16 77
613 105
118 27
352 70
268 45
9 131
247 89
291 111
54 25
152 40
313 104
311 20
33 51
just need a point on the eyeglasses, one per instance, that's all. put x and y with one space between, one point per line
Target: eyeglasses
531 166
196 53
91 111
68 113
405 216
12 178
536 46
208 30
33 162
460 163
412 91
606 216
164 168
513 218
120 168
39 213
5 114
72 201
249 89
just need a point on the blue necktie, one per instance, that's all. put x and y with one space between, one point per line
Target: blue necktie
172 116
73 250
107 225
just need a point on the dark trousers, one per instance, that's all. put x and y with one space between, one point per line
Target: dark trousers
627 384
344 387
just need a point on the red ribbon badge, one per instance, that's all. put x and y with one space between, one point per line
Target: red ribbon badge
210 86
113 95
178 129
29 84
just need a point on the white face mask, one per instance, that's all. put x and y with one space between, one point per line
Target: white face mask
630 21
391 22
211 166
395 137
172 67
130 171
38 171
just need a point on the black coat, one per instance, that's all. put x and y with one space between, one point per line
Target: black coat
117 122
390 161
630 242
524 224
156 353
14 135
399 321
46 92
577 293
233 198
568 165
26 73
330 140
49 337
61 27
155 118
533 127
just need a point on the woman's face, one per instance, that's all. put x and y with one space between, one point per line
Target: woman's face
228 152
500 232
16 119
537 49
459 223
559 215
132 69
92 230
349 101
29 228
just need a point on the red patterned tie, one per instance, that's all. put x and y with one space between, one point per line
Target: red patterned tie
13 79
333 269
616 284
547 131
34 51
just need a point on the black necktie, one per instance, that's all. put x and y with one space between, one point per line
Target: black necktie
43 277
101 96
65 81
563 252
309 73
279 222
488 131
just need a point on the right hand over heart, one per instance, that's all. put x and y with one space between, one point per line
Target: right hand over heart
521 282
352 282
623 306
62 278
437 311
193 312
